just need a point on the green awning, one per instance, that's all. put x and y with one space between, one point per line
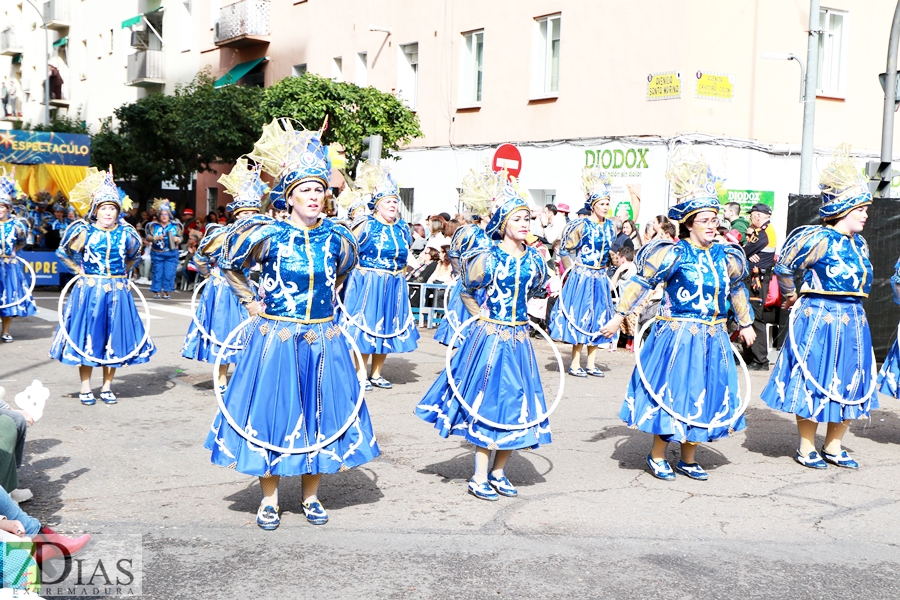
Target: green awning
61 42
131 21
237 72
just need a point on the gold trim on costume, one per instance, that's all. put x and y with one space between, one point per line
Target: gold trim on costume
692 320
293 320
507 323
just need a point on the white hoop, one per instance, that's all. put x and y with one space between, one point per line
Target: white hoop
472 413
568 315
447 308
660 402
82 353
266 445
30 289
200 326
808 376
410 322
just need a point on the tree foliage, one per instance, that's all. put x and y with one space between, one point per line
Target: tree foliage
60 124
353 113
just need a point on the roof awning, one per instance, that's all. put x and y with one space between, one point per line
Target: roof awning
61 42
237 71
132 21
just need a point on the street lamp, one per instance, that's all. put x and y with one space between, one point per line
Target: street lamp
789 56
46 63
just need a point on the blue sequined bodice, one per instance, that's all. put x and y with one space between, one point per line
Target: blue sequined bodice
107 252
382 246
12 234
588 242
697 283
167 231
508 281
832 263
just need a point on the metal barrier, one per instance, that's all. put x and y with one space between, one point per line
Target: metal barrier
427 313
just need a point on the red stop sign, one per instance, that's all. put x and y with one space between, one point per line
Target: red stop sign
507 157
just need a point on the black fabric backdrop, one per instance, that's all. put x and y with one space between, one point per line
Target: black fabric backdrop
883 235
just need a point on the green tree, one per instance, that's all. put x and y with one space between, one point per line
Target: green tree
353 113
61 124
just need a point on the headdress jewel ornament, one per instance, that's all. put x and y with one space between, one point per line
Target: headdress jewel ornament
693 185
92 191
245 186
509 199
291 156
595 184
843 186
376 182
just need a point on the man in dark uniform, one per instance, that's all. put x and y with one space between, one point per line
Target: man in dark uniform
760 250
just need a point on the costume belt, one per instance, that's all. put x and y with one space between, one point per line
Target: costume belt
693 320
294 320
385 271
593 268
102 276
498 322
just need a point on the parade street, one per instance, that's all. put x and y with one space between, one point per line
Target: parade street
590 521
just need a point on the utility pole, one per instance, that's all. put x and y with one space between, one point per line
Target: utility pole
882 174
46 63
807 146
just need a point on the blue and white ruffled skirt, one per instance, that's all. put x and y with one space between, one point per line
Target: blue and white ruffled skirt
14 284
829 375
294 386
690 367
103 321
379 301
498 375
585 297
889 376
456 315
219 311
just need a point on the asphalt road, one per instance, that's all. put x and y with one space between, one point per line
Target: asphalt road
590 522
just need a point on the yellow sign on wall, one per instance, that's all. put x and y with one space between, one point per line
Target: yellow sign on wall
664 86
715 86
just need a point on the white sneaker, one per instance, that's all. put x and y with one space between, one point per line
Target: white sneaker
18 496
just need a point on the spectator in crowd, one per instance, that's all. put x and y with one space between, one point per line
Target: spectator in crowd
428 260
622 239
759 246
732 213
442 272
189 223
548 225
625 270
667 231
631 230
582 213
418 236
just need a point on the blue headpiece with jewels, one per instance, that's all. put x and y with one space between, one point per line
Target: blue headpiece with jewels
291 156
595 184
245 186
512 201
163 205
843 186
375 183
8 191
693 185
92 191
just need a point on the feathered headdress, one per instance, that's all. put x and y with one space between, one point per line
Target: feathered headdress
693 186
843 186
291 156
352 199
92 191
245 186
481 189
376 182
506 198
161 205
9 188
595 184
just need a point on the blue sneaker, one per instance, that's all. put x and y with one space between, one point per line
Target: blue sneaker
381 382
840 460
660 468
87 399
811 460
267 518
368 386
503 486
315 512
483 490
108 397
692 470
579 372
595 372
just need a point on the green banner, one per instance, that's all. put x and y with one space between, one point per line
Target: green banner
746 198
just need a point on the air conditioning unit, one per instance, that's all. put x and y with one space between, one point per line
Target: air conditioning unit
140 39
139 26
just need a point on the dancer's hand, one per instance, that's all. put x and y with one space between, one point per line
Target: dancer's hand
789 301
748 335
252 308
612 326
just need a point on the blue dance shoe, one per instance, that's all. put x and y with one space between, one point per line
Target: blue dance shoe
381 382
839 460
87 399
368 386
483 490
503 486
315 512
579 372
108 397
692 470
267 518
811 460
595 372
660 468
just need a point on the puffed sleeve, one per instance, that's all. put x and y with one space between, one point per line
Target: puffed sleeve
895 282
572 240
349 252
803 248
72 244
476 270
209 249
654 262
538 283
737 272
360 229
21 234
133 247
246 243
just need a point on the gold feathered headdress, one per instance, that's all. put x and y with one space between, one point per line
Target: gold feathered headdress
693 186
95 189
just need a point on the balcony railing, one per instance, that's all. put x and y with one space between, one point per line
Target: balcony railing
10 44
146 68
242 21
56 14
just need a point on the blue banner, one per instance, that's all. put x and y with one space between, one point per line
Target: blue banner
47 267
45 148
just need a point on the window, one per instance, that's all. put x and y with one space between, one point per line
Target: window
111 42
832 52
186 27
546 56
337 69
407 195
408 74
472 69
298 70
212 200
362 69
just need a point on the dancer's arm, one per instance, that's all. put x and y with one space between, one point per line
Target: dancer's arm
71 244
803 248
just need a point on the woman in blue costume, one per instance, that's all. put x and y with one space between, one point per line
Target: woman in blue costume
585 304
164 236
826 371
690 390
14 282
467 238
889 377
495 369
290 387
218 310
376 297
100 315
